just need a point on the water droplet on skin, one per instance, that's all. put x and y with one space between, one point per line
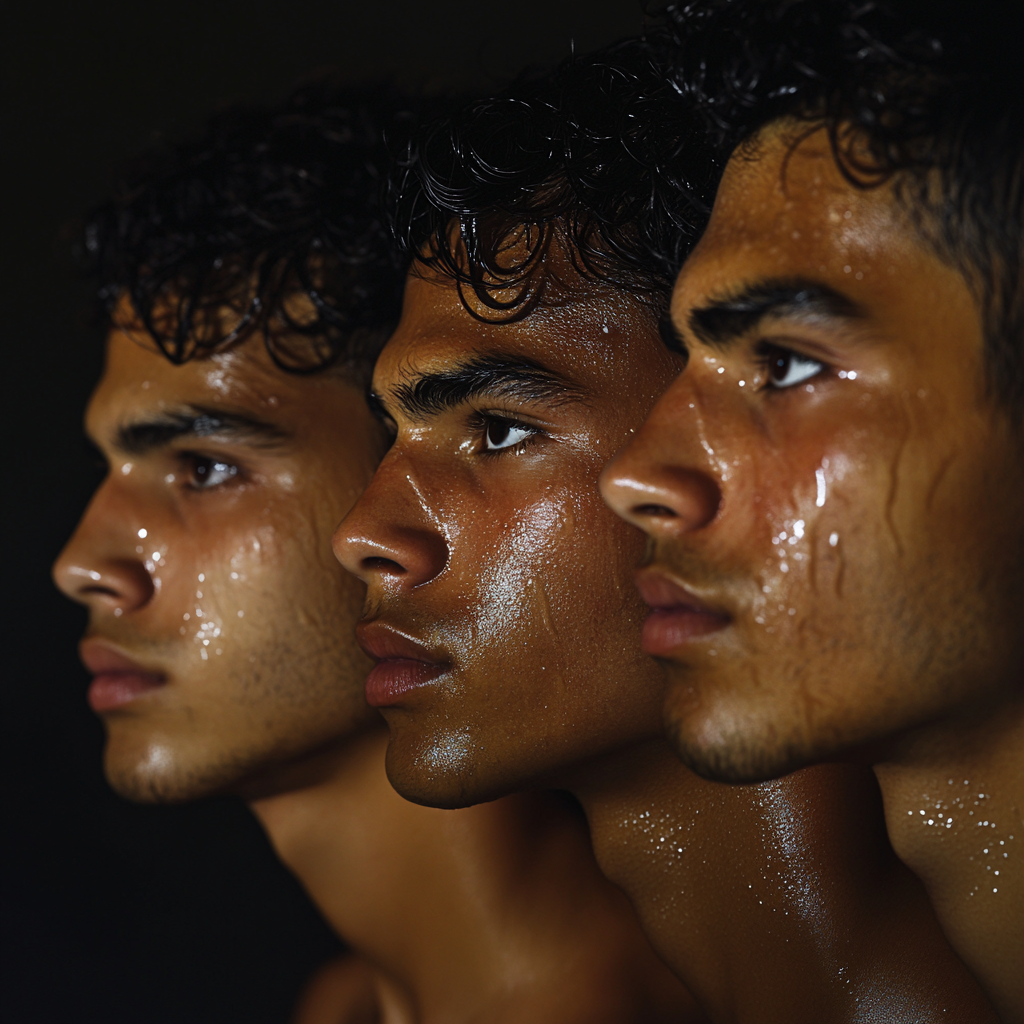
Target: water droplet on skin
118 612
199 594
143 534
234 575
604 329
819 476
833 539
169 479
202 651
126 468
241 614
155 556
721 369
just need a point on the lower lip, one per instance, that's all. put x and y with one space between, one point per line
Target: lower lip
391 679
111 690
667 629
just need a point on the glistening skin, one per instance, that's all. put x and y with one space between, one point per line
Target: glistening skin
221 638
507 636
862 540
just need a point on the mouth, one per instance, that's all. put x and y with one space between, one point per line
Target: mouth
117 680
676 618
403 664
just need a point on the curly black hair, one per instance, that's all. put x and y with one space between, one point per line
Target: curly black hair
935 88
598 153
269 222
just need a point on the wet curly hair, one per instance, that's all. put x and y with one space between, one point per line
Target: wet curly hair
598 154
935 88
270 221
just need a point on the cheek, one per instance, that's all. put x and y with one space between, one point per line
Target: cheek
230 587
559 576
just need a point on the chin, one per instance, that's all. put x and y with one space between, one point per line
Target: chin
160 773
444 772
733 751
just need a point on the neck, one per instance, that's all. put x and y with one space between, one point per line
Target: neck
954 800
496 912
776 902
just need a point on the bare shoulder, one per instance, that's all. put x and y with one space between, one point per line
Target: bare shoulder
342 991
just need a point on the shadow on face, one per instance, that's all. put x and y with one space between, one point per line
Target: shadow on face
864 556
500 603
220 626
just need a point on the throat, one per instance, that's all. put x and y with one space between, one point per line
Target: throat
954 806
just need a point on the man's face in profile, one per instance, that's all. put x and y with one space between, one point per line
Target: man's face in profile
220 626
834 501
499 600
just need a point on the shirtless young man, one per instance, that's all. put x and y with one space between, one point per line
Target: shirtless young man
500 607
834 488
221 626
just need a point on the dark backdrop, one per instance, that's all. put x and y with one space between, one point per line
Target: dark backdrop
114 913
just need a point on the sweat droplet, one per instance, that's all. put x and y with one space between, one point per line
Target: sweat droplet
833 539
819 475
142 534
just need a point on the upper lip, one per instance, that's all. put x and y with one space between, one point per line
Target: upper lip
99 658
385 643
661 593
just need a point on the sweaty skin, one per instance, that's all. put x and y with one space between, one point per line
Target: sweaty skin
832 480
221 631
500 610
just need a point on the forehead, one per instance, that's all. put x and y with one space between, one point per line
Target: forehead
139 380
784 211
586 334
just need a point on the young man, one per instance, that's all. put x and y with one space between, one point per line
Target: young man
221 627
499 607
834 488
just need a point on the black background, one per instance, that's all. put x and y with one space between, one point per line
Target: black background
111 912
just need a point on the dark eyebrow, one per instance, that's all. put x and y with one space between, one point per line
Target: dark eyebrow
497 376
143 436
729 317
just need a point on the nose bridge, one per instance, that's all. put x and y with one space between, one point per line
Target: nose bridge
103 564
395 531
669 478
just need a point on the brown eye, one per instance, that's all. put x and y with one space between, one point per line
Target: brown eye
505 434
207 473
786 369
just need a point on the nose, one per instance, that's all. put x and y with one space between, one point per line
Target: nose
389 535
99 566
653 484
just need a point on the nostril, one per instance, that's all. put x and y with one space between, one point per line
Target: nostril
378 564
661 511
101 591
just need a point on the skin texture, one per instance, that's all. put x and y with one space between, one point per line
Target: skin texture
468 551
492 914
786 903
227 592
858 533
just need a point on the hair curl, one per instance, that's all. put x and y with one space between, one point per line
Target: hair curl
935 88
599 154
269 222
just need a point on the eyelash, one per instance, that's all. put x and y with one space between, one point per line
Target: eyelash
766 353
481 422
190 462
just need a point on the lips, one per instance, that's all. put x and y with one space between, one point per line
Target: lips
117 680
403 664
676 617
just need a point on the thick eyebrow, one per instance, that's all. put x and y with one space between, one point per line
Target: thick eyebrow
725 319
145 435
495 376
